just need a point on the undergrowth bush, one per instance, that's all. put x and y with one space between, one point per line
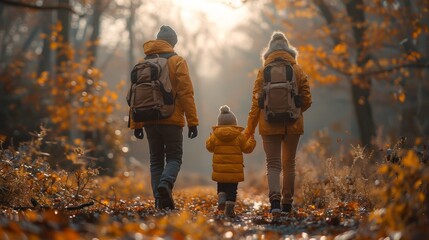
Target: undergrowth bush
335 175
342 183
27 179
403 193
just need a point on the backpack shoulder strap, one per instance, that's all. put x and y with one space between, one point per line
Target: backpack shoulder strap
290 74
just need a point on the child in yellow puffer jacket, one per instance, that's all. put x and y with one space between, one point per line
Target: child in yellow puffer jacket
228 144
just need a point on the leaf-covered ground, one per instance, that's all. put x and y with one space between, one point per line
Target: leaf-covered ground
196 218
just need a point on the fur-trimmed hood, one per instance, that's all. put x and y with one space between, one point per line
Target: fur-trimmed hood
279 42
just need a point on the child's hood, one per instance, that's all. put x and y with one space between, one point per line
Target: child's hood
227 133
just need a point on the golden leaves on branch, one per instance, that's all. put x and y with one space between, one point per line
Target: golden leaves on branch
411 161
340 48
80 97
43 78
280 4
400 96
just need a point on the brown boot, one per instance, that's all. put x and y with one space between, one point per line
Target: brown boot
229 209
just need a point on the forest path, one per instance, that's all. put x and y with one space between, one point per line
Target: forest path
196 217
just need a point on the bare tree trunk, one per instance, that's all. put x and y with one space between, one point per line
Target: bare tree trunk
62 58
4 27
92 136
1 15
361 88
64 19
414 117
363 112
130 25
29 40
45 58
95 34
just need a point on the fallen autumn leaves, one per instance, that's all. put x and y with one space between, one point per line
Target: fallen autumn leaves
196 218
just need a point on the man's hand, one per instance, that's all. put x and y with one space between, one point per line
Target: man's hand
138 133
192 132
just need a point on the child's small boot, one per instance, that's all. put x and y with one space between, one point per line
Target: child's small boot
229 209
221 201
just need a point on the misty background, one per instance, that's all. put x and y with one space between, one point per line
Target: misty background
222 42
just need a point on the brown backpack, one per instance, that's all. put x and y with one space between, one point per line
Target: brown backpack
150 96
280 101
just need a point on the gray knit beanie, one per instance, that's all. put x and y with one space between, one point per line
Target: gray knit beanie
226 116
167 34
280 42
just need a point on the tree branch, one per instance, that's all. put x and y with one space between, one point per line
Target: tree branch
329 17
79 206
43 7
397 67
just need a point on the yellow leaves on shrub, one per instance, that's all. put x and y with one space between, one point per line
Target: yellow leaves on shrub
394 214
121 84
95 73
414 56
411 160
340 48
58 27
417 32
113 95
43 35
43 78
402 195
78 92
86 97
383 169
54 45
401 97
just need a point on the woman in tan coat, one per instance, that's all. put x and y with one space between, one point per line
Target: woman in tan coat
280 139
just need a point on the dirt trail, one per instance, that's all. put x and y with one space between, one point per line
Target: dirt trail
196 217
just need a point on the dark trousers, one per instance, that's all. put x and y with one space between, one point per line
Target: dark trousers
166 150
230 189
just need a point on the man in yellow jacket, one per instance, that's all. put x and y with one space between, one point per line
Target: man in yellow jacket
165 136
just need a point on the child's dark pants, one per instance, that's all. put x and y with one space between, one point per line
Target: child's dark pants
230 189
